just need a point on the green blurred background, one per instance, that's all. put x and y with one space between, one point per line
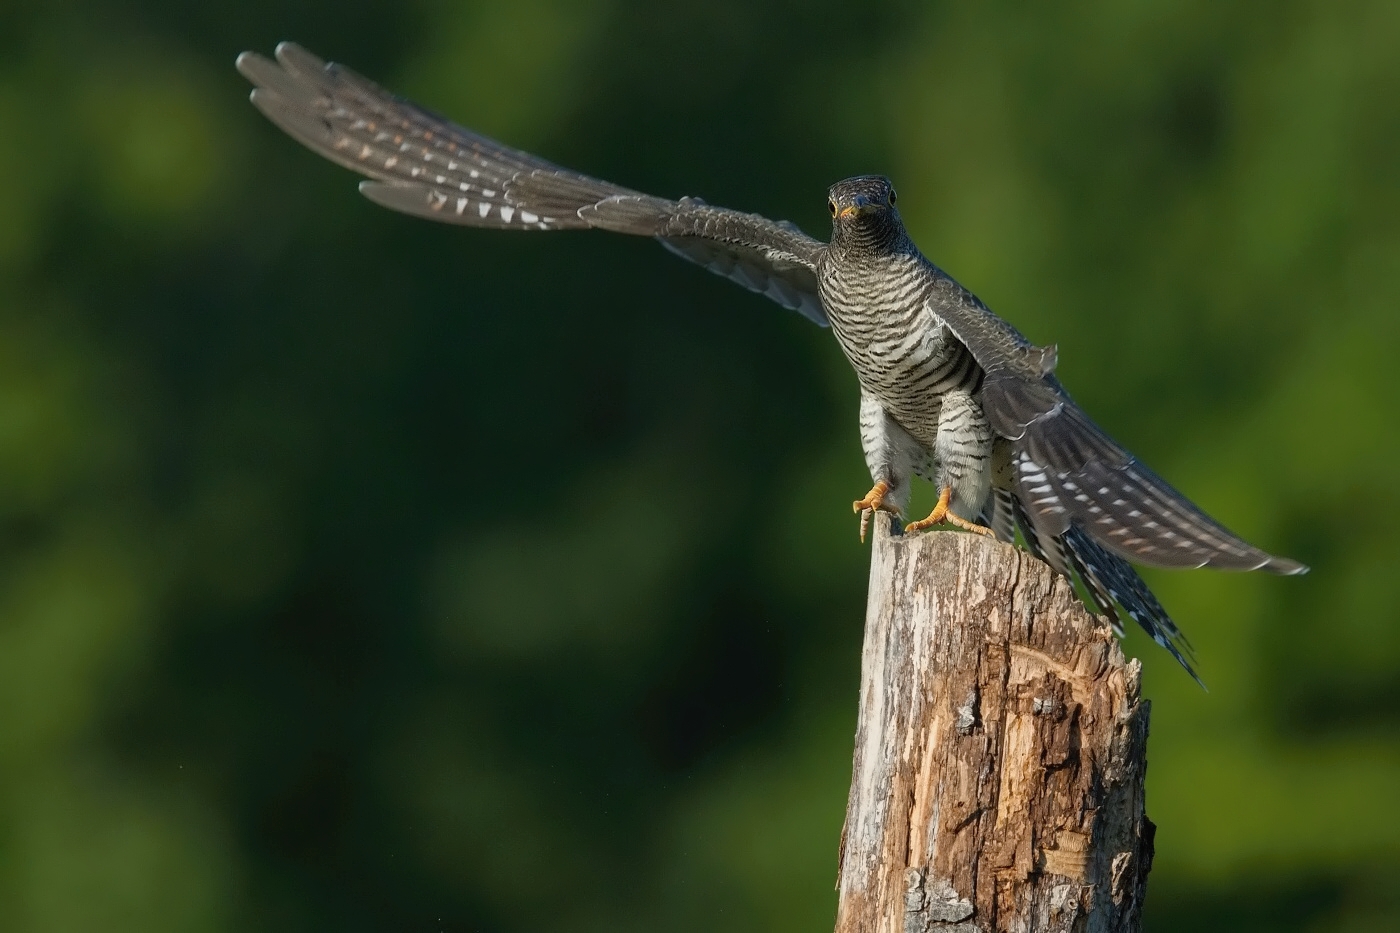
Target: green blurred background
366 574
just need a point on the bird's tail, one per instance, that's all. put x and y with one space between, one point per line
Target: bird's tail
1113 585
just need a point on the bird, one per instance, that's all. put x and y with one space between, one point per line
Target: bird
949 392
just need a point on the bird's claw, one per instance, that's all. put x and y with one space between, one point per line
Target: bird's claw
940 513
873 501
966 525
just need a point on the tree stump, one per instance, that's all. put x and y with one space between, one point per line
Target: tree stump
1000 751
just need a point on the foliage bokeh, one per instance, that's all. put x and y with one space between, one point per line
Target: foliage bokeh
360 573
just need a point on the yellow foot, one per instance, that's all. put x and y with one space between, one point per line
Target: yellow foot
940 513
966 525
874 500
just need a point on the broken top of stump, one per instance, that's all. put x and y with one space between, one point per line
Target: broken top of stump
1000 750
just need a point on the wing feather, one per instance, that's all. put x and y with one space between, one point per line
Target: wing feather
422 164
1068 472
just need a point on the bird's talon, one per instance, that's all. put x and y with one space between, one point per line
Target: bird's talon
940 513
874 499
966 525
873 502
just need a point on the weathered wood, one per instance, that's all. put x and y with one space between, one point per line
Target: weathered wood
1000 751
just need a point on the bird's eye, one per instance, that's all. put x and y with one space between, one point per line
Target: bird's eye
831 206
891 197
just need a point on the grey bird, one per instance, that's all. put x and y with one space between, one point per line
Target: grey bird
949 391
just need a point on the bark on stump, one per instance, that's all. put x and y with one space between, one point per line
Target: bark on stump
1000 751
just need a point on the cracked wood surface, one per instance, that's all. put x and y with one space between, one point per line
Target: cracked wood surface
1000 751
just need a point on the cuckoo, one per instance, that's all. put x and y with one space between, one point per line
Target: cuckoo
949 392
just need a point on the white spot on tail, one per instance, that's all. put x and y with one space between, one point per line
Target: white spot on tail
483 208
507 213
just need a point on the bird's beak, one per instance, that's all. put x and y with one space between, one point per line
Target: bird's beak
858 206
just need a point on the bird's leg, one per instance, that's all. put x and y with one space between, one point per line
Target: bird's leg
963 450
873 501
940 513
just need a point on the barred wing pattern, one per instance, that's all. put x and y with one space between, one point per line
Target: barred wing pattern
421 164
1068 473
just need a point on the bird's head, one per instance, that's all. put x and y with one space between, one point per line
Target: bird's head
863 213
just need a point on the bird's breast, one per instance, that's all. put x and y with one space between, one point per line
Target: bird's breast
903 354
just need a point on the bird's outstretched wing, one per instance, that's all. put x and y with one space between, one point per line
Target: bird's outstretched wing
422 164
1068 473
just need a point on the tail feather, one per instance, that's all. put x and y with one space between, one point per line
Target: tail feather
1098 593
999 514
1111 580
1043 544
1113 585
